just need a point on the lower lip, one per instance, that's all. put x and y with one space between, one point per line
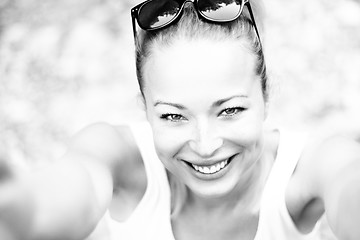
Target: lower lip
212 176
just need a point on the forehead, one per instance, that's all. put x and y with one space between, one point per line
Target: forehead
199 68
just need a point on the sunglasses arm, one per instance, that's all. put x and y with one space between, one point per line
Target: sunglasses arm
253 20
133 25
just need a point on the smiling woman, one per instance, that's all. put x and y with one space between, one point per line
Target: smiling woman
204 165
209 126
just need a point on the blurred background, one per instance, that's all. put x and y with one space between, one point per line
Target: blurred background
66 64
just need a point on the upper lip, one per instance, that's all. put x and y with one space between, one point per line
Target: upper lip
207 162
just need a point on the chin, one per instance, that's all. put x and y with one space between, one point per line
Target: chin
211 190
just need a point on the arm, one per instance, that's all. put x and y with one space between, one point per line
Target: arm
327 179
341 187
66 199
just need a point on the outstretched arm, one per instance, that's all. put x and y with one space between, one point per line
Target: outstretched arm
327 179
66 199
341 187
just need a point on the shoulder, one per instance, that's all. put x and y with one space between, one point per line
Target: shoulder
103 141
115 148
325 163
100 134
333 178
112 148
325 159
290 142
336 159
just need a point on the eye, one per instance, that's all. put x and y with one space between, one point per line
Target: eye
173 117
228 112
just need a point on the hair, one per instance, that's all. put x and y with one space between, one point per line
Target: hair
190 27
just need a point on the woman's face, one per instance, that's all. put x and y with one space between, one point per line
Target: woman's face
206 108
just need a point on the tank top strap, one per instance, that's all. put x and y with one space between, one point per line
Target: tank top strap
275 222
157 194
151 217
144 139
291 145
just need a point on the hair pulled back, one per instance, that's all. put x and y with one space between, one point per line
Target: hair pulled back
190 27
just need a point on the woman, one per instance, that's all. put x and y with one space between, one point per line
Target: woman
205 167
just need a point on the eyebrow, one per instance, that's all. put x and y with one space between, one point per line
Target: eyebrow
224 100
215 104
179 106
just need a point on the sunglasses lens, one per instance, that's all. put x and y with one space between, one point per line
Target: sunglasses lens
220 10
157 13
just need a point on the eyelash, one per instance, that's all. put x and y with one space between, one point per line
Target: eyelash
237 111
170 117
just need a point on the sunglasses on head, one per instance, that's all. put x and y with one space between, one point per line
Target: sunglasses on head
157 14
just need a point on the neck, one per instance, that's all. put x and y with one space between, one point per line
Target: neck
244 197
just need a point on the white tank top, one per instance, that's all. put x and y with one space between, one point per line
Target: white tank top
151 218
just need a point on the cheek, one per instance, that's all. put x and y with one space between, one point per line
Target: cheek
168 142
247 132
249 135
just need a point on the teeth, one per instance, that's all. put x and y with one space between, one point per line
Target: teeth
218 166
210 169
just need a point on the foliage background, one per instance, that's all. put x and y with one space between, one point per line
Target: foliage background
66 64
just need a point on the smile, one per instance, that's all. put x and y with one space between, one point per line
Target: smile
211 169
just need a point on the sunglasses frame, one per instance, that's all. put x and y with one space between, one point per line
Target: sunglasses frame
135 16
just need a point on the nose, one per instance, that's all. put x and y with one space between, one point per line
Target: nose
206 141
